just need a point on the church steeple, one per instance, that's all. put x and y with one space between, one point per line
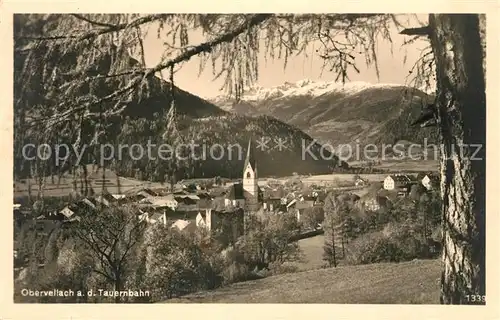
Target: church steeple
250 180
250 159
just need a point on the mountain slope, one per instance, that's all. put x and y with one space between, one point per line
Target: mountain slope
413 282
144 120
339 114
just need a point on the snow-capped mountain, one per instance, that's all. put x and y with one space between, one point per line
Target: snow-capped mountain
338 113
307 87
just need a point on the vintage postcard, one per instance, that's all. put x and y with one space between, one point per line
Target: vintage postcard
248 158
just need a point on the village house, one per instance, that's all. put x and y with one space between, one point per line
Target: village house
153 217
430 181
320 198
273 198
272 204
168 201
399 183
184 225
118 196
235 196
105 199
205 200
186 204
374 202
298 205
228 222
75 209
359 182
146 193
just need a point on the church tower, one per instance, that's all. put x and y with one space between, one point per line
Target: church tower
250 185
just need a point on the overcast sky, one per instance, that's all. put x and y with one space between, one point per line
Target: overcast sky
391 66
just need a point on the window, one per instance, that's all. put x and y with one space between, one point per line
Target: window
248 175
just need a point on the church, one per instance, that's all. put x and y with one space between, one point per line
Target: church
241 198
247 194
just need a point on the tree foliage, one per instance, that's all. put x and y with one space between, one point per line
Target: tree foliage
111 238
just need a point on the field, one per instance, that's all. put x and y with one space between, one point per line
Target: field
414 282
405 165
312 250
409 165
64 187
342 177
115 184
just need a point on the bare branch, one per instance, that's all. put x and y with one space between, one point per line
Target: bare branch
97 23
420 31
142 75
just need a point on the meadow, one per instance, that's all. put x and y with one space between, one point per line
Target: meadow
414 282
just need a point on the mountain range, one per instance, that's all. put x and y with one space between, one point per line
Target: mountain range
335 113
300 113
145 120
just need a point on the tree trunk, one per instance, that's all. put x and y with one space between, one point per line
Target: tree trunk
117 286
343 247
333 247
461 102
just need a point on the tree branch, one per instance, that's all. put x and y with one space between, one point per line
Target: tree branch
93 34
144 74
97 23
421 31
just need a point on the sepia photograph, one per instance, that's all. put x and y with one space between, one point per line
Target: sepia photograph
286 158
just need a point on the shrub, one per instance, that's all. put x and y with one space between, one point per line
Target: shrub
281 268
397 242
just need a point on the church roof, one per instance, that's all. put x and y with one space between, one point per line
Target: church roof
250 159
236 192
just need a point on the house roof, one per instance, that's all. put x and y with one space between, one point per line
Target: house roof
86 203
160 201
185 200
156 215
401 178
204 195
67 212
181 224
217 192
381 200
273 193
190 196
149 191
291 203
81 205
250 158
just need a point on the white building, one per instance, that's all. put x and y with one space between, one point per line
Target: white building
153 217
247 194
396 181
250 181
235 197
430 181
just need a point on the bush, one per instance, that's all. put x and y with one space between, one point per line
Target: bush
281 268
396 243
